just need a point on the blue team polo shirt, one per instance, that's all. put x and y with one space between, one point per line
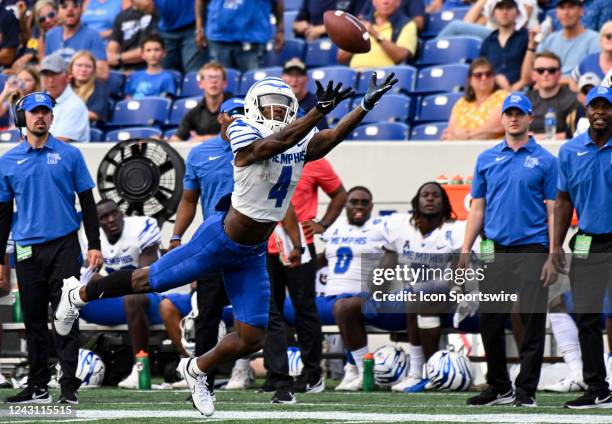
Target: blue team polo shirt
209 170
515 185
43 183
175 14
585 172
84 39
232 21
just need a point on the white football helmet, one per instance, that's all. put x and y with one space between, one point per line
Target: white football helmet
268 93
449 370
294 356
188 333
90 369
390 365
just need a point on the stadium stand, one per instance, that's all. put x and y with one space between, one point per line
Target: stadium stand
436 107
381 131
392 107
180 108
10 136
293 47
342 74
405 74
321 52
250 77
135 132
189 85
428 132
450 50
438 20
116 84
441 78
146 111
96 134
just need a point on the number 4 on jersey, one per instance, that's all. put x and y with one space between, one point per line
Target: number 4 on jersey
279 190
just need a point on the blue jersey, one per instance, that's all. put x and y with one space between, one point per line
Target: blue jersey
142 84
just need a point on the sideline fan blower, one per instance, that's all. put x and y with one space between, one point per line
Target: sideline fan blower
144 177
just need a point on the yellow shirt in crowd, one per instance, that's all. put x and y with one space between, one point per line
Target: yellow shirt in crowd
470 116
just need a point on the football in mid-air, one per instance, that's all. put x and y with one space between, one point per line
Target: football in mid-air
346 31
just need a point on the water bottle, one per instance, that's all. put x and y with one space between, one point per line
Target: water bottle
545 30
17 311
550 125
457 180
144 370
368 372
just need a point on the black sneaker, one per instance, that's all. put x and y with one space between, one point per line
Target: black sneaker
591 400
27 395
525 400
68 395
309 384
283 395
492 396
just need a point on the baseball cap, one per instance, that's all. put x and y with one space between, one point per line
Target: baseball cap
588 78
234 105
77 2
504 2
519 101
295 64
576 2
599 93
34 100
53 63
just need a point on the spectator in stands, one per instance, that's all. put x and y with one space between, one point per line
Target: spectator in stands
25 82
547 93
237 36
131 26
597 63
99 15
71 118
44 17
393 35
308 23
577 122
480 19
477 116
596 13
154 81
413 9
294 74
9 37
201 122
177 27
82 72
573 42
505 47
72 37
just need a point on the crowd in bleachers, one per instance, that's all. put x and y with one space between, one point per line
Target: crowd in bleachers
137 65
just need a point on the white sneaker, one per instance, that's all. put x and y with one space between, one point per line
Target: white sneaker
352 381
201 397
572 383
241 379
66 312
131 381
4 383
406 383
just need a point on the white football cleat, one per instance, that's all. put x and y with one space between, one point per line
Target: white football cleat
241 379
406 383
572 383
200 395
67 312
352 381
131 381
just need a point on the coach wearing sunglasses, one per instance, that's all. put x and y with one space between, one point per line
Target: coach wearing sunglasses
547 93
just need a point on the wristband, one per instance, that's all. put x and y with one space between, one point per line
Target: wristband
364 106
325 226
175 238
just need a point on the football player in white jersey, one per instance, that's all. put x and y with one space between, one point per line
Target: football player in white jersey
129 243
270 148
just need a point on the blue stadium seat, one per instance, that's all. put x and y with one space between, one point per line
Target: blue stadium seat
393 131
293 4
321 52
441 78
288 19
338 113
428 132
293 47
438 20
180 108
96 134
251 77
437 107
178 77
145 111
450 50
405 74
115 84
343 74
392 107
169 133
134 132
10 136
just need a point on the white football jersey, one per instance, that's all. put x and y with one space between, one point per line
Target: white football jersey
139 232
263 190
414 249
349 250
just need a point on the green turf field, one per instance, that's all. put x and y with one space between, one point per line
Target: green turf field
107 405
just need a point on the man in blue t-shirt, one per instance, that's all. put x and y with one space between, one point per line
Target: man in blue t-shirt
9 37
153 81
72 36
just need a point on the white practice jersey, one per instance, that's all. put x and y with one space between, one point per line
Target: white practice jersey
263 190
139 232
433 250
351 252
